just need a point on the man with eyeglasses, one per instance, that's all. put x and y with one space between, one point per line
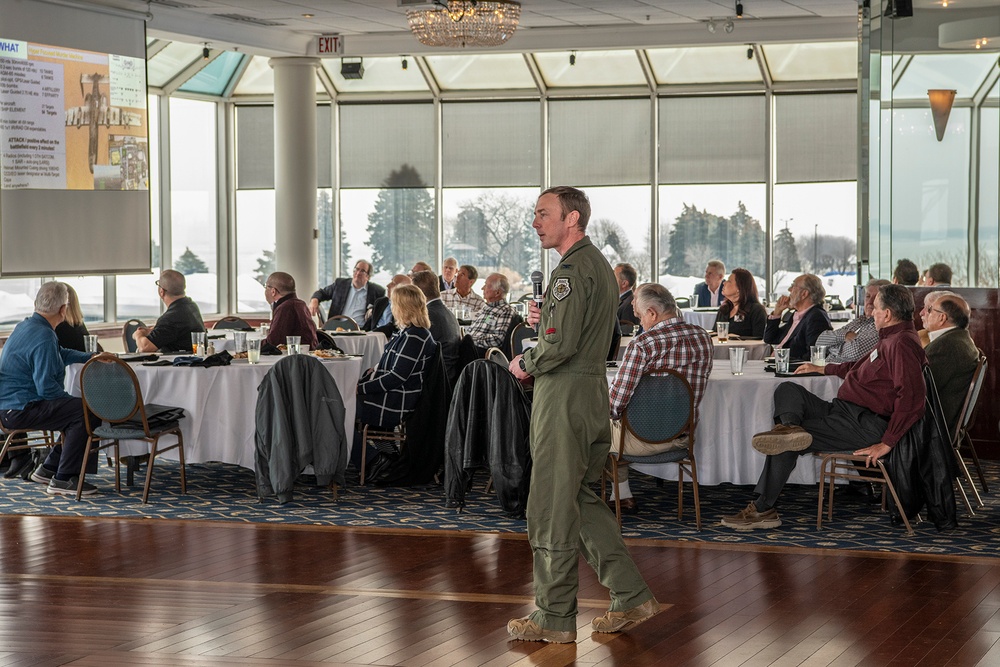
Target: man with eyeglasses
353 296
951 352
174 327
289 314
807 321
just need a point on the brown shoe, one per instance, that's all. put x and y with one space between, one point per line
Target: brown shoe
616 621
526 630
782 438
628 505
750 518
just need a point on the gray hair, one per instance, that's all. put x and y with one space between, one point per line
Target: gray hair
898 300
657 297
814 286
718 265
498 281
51 297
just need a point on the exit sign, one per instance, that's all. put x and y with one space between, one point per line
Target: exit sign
326 44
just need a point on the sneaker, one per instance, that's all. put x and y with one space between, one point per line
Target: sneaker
67 487
616 621
42 475
750 519
782 438
526 630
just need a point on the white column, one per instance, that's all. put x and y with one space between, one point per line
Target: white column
295 170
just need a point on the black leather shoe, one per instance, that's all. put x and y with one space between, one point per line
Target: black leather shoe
629 506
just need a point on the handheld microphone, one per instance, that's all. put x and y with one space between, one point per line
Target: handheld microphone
536 287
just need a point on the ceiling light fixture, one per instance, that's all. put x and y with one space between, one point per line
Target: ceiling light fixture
941 102
739 9
711 27
206 52
730 26
465 22
572 58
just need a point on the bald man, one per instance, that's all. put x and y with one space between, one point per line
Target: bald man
173 329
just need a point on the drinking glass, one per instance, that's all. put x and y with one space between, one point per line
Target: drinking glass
817 355
265 329
782 357
723 331
90 343
694 300
253 350
198 343
737 356
240 341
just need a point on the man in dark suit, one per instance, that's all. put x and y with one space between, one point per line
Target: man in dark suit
626 276
444 326
449 268
709 293
951 353
809 320
381 318
349 296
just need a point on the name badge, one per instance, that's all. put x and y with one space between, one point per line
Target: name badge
873 356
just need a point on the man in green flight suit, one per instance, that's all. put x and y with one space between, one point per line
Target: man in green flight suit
571 434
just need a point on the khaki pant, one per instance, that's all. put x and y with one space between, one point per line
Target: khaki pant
636 447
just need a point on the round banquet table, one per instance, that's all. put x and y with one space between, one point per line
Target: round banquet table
732 410
756 349
703 318
368 344
220 403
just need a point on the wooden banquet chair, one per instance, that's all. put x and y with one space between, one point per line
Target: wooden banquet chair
110 390
660 410
341 322
18 439
234 323
128 329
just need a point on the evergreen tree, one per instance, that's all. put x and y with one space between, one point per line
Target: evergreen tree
189 263
265 267
402 227
786 256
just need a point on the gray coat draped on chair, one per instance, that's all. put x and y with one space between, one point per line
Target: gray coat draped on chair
300 422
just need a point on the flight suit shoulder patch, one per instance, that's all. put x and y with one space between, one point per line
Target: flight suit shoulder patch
561 289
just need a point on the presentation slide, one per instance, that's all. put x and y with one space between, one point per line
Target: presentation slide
71 119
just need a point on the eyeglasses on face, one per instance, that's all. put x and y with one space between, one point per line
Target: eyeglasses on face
360 269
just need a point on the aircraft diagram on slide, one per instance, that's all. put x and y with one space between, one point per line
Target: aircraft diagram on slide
96 113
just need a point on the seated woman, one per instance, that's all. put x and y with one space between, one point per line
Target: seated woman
72 330
742 308
389 391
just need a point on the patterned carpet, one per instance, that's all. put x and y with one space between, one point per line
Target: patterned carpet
219 492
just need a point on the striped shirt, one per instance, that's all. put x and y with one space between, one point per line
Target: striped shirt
840 350
670 345
490 324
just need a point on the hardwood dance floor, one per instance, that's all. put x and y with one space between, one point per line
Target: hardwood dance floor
114 592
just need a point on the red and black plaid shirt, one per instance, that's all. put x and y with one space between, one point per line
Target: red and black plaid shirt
672 344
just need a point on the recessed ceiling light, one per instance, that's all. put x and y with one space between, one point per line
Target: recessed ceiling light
308 16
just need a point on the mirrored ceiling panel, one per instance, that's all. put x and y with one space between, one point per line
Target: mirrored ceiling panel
171 61
481 72
821 61
963 72
380 75
590 68
707 64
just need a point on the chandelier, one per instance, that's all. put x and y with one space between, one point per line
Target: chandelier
465 22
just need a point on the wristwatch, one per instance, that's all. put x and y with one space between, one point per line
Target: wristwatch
520 362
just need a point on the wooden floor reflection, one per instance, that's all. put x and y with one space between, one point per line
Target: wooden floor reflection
131 592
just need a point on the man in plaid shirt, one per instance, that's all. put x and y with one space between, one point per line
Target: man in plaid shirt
490 324
667 342
857 338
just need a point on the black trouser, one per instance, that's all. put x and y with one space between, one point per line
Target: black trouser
834 425
60 414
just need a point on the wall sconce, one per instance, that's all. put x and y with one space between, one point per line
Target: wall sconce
941 101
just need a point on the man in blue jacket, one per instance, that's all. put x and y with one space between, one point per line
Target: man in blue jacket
32 377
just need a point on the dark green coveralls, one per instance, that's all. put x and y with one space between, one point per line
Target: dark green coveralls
570 440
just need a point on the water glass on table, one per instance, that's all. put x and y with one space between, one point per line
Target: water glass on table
782 359
90 343
722 329
253 350
737 357
694 300
293 344
265 329
817 355
240 341
198 343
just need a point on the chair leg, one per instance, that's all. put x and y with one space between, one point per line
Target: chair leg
680 493
149 469
83 470
693 473
975 461
820 495
364 451
965 497
968 477
895 499
180 457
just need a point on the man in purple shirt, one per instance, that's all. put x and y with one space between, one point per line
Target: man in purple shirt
881 398
290 314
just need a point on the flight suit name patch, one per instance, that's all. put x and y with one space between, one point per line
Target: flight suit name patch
561 288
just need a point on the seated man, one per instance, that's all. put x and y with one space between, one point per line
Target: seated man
951 353
289 314
173 329
489 326
905 273
448 270
463 296
381 319
444 326
858 337
709 293
925 309
881 398
32 374
938 275
801 330
626 276
353 296
667 342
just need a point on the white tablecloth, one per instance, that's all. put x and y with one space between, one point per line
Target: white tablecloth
756 349
703 318
732 410
369 346
220 402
